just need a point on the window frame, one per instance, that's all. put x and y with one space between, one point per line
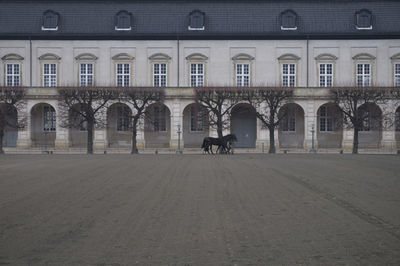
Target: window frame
12 59
360 13
49 75
196 76
54 14
124 66
13 76
364 59
117 17
288 119
49 121
159 59
242 75
326 118
86 75
195 118
288 59
196 58
363 75
161 116
123 119
191 15
282 17
123 58
243 59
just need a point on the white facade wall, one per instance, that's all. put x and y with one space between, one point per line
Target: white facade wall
219 70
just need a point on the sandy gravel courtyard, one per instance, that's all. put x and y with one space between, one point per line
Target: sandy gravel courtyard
244 209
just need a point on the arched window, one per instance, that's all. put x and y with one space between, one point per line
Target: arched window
288 20
364 20
123 21
50 20
196 20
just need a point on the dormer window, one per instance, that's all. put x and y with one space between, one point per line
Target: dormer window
364 20
123 21
50 20
196 20
288 20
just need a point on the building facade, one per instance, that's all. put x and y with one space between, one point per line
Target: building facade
308 45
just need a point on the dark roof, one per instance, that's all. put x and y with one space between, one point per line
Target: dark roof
251 19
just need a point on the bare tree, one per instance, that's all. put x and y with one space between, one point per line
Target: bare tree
140 98
11 101
85 106
350 99
219 102
267 102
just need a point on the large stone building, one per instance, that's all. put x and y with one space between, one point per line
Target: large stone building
176 44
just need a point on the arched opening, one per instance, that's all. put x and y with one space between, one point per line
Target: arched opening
9 122
291 128
119 126
43 125
370 134
329 126
397 127
157 126
195 125
77 128
244 125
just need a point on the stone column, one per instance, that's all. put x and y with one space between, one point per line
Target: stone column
348 136
310 123
100 140
176 120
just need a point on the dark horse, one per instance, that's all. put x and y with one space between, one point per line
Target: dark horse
224 144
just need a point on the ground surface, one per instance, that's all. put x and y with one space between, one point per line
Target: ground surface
199 210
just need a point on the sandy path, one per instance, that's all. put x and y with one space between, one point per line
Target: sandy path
199 210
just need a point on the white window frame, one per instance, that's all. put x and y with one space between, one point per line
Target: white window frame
323 76
288 77
364 77
161 115
241 77
196 74
289 121
158 75
13 76
52 77
197 121
86 75
123 119
396 74
125 76
49 119
325 120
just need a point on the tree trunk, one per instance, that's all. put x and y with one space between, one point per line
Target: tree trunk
1 140
219 129
90 128
271 140
355 141
134 149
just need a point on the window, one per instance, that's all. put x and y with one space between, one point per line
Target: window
86 74
242 75
50 21
159 75
325 75
363 20
123 118
197 116
49 119
288 20
289 120
123 21
397 74
123 74
289 75
397 119
363 75
49 75
160 120
13 75
325 119
196 20
196 74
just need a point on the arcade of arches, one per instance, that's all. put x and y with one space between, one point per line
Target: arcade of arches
159 127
